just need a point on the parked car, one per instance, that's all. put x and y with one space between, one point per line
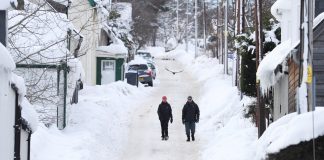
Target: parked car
145 54
152 66
145 73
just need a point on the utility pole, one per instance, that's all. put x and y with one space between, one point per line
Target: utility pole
238 31
187 23
310 79
196 29
177 36
226 40
221 23
258 36
204 23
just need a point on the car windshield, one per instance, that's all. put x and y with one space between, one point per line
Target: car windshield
138 67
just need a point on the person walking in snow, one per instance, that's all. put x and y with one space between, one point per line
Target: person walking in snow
165 115
190 116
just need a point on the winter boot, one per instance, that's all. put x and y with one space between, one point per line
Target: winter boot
188 138
193 137
166 138
163 138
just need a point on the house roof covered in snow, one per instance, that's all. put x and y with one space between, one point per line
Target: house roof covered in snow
265 72
318 20
113 50
279 6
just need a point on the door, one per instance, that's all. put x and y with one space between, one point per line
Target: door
108 71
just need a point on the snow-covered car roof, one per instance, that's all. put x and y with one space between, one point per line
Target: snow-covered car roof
138 60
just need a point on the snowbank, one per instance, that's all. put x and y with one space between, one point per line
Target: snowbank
289 130
97 126
156 51
171 44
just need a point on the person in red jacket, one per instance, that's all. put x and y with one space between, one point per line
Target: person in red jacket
165 115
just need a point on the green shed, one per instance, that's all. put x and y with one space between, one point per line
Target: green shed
110 63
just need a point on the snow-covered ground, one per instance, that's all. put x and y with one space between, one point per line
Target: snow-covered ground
97 125
119 121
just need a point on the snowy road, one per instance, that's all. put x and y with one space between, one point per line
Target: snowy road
144 141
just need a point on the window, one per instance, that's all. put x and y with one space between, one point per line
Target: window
108 65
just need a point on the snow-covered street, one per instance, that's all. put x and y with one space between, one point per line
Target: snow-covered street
144 140
115 80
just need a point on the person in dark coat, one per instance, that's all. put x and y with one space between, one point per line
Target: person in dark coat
190 116
165 115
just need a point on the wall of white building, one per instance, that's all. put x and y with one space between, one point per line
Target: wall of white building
84 17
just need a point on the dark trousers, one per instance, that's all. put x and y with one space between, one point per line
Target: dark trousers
164 128
190 127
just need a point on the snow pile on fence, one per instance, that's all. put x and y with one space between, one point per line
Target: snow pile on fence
97 126
223 128
290 130
28 113
6 60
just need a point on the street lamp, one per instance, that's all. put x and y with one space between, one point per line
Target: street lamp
196 29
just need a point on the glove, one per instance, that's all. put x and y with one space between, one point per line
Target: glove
171 120
197 120
183 121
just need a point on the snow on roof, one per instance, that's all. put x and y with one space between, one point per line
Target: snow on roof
267 66
6 60
279 6
289 130
318 20
143 51
113 50
63 2
6 4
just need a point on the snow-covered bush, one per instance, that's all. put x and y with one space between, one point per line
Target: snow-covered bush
245 45
245 48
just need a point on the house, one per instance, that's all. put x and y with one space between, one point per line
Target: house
102 54
281 69
110 63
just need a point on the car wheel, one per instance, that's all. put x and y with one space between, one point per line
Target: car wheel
150 84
